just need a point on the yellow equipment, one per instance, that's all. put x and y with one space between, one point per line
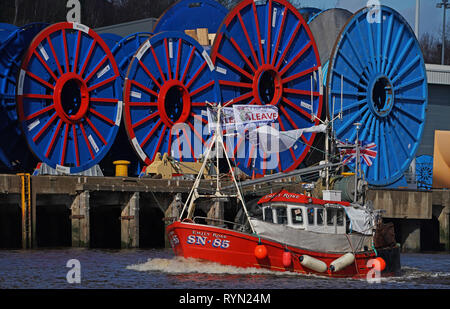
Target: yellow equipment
168 168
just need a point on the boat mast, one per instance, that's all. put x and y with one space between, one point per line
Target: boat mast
357 125
217 142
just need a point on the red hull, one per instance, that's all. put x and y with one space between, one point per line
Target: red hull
230 247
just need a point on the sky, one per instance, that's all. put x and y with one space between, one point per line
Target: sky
430 17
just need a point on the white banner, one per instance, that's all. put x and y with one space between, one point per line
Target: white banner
227 122
272 140
254 114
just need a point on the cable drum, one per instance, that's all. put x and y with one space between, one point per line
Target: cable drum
67 98
377 67
14 152
169 81
265 54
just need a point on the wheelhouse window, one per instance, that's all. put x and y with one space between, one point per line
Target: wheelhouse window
340 217
281 215
297 216
330 216
310 212
320 216
268 215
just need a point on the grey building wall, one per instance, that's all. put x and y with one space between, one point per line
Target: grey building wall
438 116
142 25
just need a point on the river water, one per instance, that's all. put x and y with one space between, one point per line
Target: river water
160 269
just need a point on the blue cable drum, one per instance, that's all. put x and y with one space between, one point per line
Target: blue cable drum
67 98
265 54
169 81
14 152
424 172
192 14
111 39
380 63
308 12
126 48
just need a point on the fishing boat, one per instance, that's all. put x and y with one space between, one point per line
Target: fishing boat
296 232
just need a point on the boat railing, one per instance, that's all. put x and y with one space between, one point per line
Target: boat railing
234 224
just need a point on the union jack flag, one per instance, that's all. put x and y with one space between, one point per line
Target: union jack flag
366 152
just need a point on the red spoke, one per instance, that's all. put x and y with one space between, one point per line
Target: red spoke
63 33
38 96
77 52
199 118
235 67
298 75
143 104
189 143
258 32
163 133
199 136
86 140
297 108
106 81
88 57
200 69
283 129
38 113
198 104
75 142
200 89
269 32
40 80
169 68
145 119
148 90
45 127
248 39
288 117
149 74
151 133
242 97
280 34
45 65
95 130
177 71
64 147
54 56
241 53
299 54
104 100
235 84
286 49
188 65
52 142
97 67
101 116
302 92
157 64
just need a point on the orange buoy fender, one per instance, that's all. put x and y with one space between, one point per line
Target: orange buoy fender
260 252
382 264
342 262
287 259
313 263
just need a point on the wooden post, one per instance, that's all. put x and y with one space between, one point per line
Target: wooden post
130 223
80 220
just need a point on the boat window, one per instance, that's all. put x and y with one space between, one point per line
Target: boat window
268 215
340 217
281 215
297 216
330 216
310 215
319 216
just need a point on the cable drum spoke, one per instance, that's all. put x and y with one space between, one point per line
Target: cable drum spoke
169 80
390 101
68 100
265 54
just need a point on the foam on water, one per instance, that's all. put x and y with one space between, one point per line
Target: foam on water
180 265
